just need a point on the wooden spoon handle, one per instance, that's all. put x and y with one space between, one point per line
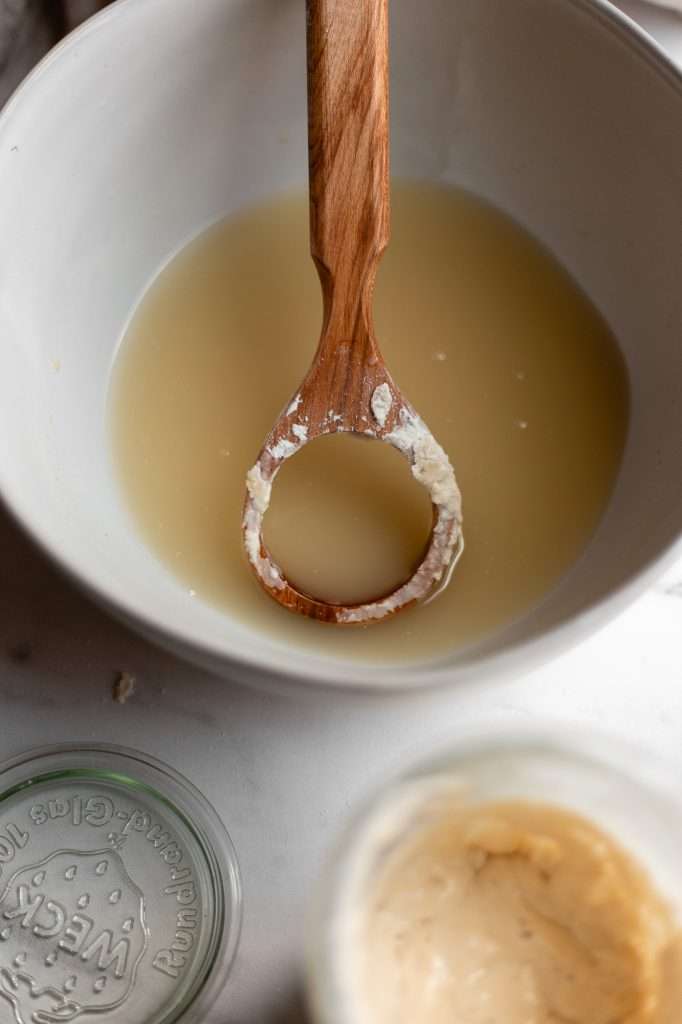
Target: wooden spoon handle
348 157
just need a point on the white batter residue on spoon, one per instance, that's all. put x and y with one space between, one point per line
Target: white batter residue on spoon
431 467
430 463
259 491
381 403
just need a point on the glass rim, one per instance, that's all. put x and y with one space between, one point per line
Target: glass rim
136 770
630 762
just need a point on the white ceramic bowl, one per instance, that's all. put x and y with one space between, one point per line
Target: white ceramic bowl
160 116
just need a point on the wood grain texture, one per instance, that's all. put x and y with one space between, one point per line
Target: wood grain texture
348 144
348 156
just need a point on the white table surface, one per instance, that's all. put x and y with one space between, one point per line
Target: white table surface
283 774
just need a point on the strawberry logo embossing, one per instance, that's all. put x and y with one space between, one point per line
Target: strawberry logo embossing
72 934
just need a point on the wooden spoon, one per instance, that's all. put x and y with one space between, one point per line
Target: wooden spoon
348 387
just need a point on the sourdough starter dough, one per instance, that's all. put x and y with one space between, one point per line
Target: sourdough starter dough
515 913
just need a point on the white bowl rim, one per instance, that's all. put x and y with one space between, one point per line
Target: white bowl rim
317 671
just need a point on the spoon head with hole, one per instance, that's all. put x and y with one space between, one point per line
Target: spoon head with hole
389 418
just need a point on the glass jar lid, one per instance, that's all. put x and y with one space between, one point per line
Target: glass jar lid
119 889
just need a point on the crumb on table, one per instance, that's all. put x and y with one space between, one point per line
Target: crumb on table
123 688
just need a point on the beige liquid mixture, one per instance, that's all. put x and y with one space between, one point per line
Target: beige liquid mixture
513 369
